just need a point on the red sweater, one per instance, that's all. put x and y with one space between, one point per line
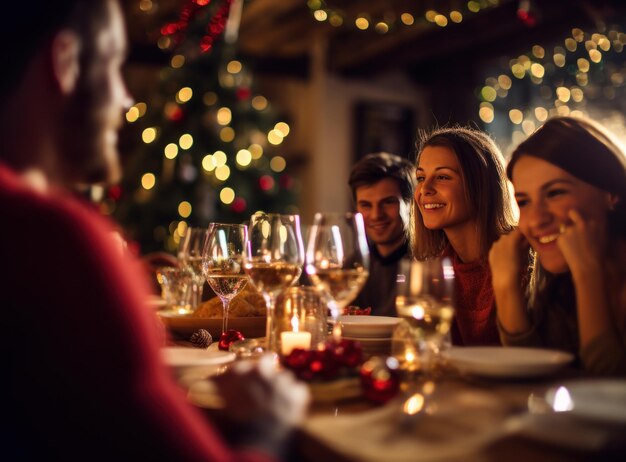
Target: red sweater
85 380
475 313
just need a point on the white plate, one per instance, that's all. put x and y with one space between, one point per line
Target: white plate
368 326
598 400
179 357
507 361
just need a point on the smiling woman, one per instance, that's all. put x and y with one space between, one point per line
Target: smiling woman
461 207
570 185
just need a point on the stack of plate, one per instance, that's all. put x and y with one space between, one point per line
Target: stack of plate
372 332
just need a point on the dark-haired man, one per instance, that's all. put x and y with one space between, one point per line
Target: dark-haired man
382 188
85 380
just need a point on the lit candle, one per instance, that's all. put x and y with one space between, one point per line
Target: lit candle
294 339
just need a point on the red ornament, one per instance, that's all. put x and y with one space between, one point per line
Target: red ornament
188 12
243 93
215 27
286 181
380 379
206 43
239 205
266 183
333 360
526 13
176 114
115 192
170 28
527 18
346 352
228 337
356 311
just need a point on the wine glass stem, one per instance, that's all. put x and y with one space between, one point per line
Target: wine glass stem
225 305
334 313
197 294
270 302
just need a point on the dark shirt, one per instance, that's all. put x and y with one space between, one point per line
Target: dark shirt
379 291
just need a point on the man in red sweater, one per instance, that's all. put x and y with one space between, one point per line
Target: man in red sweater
85 380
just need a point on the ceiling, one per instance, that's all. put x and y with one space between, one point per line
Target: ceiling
281 35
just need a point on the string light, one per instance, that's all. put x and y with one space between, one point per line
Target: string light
149 135
275 137
564 80
243 157
278 164
208 163
185 141
184 209
148 180
171 151
227 195
387 21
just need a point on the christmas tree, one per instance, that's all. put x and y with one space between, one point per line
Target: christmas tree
210 148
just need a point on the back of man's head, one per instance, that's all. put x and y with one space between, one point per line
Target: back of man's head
380 165
25 33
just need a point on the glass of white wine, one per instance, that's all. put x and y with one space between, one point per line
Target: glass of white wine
274 259
222 262
190 256
337 258
425 300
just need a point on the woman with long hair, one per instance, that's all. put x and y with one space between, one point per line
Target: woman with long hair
462 205
570 185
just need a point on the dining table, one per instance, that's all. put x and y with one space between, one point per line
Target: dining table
465 417
472 419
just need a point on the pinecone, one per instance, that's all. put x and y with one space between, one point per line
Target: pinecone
201 338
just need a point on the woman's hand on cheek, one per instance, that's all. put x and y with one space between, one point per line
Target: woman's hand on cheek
508 259
581 243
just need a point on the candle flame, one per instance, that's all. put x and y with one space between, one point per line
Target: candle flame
294 323
562 400
414 404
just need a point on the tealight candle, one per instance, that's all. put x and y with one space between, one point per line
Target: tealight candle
291 340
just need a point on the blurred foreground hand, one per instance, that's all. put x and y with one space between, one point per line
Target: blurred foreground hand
262 403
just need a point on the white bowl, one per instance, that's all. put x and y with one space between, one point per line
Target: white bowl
368 326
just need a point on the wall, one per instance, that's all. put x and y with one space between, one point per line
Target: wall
321 112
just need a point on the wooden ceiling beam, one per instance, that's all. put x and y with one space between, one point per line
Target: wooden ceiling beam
497 27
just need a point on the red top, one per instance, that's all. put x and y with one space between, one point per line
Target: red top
85 379
475 311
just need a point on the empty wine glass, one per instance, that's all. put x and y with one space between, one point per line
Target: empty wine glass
425 299
190 256
274 259
222 262
337 258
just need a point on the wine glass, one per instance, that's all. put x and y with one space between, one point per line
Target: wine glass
222 262
337 258
274 259
425 300
190 255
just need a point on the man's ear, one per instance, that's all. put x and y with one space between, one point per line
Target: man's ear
65 60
